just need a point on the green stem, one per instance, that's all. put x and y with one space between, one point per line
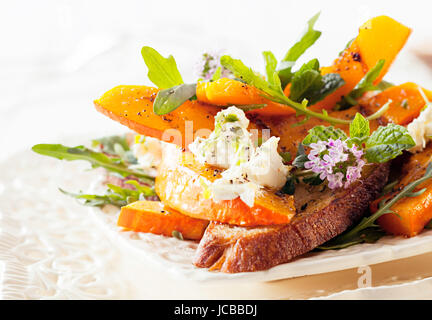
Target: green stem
301 109
370 220
303 173
380 111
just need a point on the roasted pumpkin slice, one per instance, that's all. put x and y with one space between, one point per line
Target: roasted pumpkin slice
132 106
406 102
181 185
379 38
411 213
155 217
228 92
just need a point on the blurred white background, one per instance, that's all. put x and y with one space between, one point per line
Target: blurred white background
58 56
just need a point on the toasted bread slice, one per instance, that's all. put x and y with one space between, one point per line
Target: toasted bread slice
322 215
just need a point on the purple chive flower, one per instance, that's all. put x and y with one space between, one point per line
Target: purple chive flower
208 65
335 161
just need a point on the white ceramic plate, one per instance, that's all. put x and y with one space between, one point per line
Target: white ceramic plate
28 185
176 256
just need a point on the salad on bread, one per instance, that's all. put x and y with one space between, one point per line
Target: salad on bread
262 167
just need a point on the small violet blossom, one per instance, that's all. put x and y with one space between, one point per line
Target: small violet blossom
335 161
208 65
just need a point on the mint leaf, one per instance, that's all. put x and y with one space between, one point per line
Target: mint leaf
322 133
365 84
301 157
387 143
170 99
162 71
359 129
309 37
329 83
305 80
96 159
308 83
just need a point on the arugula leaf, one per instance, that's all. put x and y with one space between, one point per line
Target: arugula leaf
365 84
170 99
96 159
107 144
162 71
322 133
347 46
368 235
359 129
387 143
271 64
309 37
217 74
250 77
249 107
383 85
367 230
273 91
115 195
116 146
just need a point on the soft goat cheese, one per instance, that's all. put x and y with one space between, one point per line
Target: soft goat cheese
229 144
248 168
148 152
420 129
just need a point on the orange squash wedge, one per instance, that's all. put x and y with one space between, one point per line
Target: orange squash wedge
181 186
132 106
228 92
413 213
155 217
379 38
407 102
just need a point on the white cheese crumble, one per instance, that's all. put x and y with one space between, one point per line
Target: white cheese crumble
148 152
420 129
248 168
229 144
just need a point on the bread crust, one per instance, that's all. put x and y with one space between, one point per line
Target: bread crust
235 249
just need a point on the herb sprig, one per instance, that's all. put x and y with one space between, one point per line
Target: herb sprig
367 230
114 195
365 84
339 158
308 38
273 91
96 159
